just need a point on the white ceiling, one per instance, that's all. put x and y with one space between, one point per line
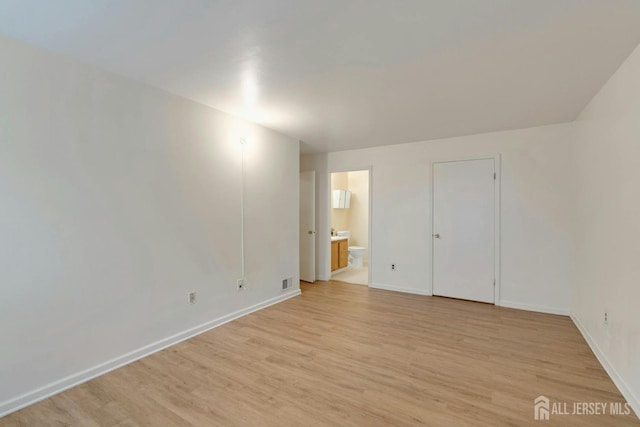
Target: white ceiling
342 74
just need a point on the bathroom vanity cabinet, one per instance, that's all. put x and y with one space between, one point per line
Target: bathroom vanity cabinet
339 254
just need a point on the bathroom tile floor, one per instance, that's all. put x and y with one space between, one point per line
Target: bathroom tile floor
358 276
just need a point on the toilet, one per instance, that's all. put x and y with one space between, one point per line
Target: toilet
356 256
356 253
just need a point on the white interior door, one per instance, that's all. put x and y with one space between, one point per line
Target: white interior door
308 226
463 229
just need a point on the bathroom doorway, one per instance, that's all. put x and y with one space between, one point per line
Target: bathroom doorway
350 226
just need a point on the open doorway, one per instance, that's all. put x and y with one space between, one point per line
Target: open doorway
350 227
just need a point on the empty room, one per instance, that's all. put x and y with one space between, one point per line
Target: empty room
319 212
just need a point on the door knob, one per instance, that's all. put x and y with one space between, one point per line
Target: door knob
311 232
437 236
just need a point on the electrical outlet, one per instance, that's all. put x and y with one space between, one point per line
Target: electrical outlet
192 297
241 285
393 267
606 318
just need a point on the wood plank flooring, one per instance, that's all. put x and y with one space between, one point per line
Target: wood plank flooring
347 355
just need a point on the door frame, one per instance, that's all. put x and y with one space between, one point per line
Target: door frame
315 227
496 218
370 211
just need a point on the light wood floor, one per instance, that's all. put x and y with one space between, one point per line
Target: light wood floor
347 355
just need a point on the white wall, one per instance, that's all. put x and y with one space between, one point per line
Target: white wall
117 199
607 159
537 250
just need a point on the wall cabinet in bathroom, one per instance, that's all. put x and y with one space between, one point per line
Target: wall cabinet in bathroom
339 254
340 199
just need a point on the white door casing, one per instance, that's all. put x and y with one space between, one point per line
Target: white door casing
308 226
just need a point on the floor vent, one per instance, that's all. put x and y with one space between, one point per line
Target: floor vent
286 283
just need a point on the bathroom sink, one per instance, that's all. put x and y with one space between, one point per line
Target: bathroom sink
334 238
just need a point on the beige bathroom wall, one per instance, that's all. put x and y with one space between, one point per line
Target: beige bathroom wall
359 211
339 217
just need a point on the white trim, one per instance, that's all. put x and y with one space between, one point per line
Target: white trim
242 191
497 267
415 291
625 390
496 218
326 236
370 219
314 228
73 380
531 307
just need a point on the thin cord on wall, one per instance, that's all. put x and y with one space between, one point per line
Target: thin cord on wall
242 142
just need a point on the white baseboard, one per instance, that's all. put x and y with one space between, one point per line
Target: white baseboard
626 392
530 307
73 380
399 289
